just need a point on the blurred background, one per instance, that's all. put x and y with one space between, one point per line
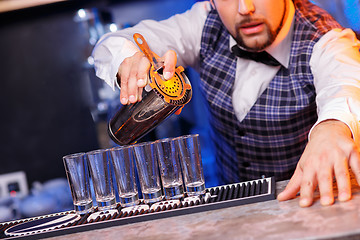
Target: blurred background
52 104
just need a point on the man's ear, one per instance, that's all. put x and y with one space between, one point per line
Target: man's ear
212 4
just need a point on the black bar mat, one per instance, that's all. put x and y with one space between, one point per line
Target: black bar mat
215 198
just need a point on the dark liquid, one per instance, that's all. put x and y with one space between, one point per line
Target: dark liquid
173 191
132 122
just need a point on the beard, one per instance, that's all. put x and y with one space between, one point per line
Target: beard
259 46
270 34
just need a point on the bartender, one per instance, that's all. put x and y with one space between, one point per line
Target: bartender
281 80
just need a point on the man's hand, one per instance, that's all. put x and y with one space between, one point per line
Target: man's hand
133 73
329 153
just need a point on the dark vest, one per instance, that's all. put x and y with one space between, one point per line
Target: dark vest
273 135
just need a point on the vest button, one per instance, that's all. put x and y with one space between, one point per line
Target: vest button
245 164
240 132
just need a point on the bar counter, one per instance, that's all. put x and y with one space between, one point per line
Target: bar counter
262 220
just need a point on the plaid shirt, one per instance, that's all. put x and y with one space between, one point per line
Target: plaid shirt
273 135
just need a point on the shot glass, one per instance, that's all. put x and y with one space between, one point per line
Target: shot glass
124 168
148 171
191 164
78 177
100 172
170 169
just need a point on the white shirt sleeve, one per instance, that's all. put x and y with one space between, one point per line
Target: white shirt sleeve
335 64
181 33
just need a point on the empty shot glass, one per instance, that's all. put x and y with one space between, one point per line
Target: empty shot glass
100 172
124 168
170 169
148 171
190 160
78 177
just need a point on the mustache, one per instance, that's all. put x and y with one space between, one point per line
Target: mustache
248 19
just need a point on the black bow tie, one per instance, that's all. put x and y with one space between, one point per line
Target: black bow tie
262 57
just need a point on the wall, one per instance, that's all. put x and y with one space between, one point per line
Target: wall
44 110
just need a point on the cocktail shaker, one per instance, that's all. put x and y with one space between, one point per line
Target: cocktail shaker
131 122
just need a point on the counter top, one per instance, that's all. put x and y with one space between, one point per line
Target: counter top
263 220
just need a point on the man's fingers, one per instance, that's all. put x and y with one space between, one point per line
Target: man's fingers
124 78
293 187
123 92
354 163
143 72
342 175
140 91
169 64
308 185
133 73
132 89
325 181
138 69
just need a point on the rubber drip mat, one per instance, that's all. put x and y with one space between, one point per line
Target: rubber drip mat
215 198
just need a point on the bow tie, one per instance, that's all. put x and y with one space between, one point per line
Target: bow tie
262 57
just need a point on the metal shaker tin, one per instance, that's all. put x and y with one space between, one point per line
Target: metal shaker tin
131 122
